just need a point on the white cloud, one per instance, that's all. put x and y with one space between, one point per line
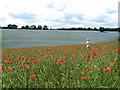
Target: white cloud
55 13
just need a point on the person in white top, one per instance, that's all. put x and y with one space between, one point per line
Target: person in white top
88 43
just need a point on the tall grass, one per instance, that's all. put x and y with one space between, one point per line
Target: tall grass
70 66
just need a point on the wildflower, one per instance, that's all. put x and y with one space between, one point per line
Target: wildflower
27 66
89 62
81 72
8 70
84 56
32 76
93 52
30 58
8 62
57 63
0 67
98 66
106 69
100 57
84 77
22 69
89 68
117 50
23 57
93 57
33 62
16 59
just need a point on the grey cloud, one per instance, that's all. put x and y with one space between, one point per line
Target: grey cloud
24 16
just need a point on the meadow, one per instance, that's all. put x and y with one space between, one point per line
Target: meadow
68 66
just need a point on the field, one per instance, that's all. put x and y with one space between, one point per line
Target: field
69 66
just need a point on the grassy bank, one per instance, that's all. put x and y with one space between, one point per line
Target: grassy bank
70 66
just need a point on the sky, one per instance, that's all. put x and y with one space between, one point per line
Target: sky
60 13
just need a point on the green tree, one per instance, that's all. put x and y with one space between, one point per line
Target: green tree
101 29
26 27
45 27
32 27
39 27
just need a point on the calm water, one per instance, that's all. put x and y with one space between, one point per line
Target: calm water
29 38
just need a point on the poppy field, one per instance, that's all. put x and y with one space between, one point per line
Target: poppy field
69 66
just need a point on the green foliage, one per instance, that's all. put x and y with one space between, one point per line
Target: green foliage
61 66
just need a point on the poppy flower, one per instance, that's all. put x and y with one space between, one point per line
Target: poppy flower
93 52
33 62
16 59
8 62
22 69
89 62
106 69
8 70
84 56
81 72
57 63
84 77
30 58
32 76
93 56
89 68
23 57
100 57
0 67
98 66
27 66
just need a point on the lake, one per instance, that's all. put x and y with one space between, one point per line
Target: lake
30 38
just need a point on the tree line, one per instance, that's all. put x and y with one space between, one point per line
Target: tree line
45 27
14 26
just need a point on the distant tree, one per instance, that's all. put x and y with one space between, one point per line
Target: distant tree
101 29
23 27
10 26
32 27
14 26
95 29
39 27
45 27
26 27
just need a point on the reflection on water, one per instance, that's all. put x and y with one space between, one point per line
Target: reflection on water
29 38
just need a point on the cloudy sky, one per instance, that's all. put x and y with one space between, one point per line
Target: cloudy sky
59 13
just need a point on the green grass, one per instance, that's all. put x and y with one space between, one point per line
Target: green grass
61 66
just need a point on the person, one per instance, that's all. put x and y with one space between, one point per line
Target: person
88 44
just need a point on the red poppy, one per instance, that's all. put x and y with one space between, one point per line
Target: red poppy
57 63
22 69
117 50
84 77
8 70
81 72
89 68
89 62
0 67
100 57
7 58
34 62
93 57
84 56
106 69
8 62
98 66
16 59
93 52
32 76
30 58
27 66
23 57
